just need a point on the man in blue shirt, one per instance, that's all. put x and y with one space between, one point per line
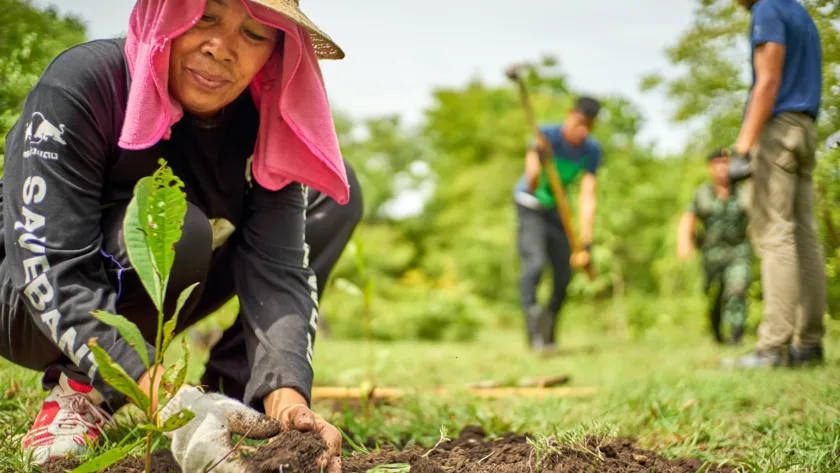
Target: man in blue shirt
540 234
779 136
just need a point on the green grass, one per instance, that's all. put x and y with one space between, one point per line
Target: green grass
663 387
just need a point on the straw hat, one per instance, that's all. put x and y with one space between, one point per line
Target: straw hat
325 47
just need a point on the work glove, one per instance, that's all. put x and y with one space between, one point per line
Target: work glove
205 439
739 167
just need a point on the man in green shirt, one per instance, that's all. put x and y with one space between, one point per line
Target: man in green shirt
727 253
540 234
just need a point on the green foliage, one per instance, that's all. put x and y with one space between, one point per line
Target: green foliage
29 39
713 80
827 178
152 226
453 268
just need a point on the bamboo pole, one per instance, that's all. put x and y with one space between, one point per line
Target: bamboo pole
339 392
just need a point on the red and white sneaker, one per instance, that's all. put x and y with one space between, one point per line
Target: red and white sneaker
69 418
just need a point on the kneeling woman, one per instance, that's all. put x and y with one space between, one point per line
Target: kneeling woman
229 93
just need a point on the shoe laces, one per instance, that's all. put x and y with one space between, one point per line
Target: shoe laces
71 416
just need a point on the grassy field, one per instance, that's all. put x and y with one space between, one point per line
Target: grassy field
663 387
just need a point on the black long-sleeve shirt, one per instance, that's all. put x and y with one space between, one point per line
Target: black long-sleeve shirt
63 166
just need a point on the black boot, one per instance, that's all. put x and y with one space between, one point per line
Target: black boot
715 319
805 357
545 328
533 316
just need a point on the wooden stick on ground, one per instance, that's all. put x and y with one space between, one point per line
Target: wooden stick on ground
338 392
527 382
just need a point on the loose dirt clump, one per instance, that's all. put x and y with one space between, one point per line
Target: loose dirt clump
289 452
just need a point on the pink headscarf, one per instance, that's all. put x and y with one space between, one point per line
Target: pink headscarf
296 140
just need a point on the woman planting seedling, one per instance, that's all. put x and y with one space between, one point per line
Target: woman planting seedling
229 93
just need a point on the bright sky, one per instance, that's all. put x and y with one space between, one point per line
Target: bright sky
399 50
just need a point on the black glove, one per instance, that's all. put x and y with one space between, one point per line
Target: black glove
739 167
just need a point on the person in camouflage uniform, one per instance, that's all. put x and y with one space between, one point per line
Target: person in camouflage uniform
724 243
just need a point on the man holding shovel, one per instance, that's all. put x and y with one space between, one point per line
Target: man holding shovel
542 237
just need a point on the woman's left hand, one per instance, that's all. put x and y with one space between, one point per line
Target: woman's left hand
289 407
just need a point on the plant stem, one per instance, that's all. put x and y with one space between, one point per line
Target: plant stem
158 361
152 415
149 452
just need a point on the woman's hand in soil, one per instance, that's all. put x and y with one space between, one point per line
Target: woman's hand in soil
290 408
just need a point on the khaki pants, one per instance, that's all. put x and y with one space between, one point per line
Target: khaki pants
783 229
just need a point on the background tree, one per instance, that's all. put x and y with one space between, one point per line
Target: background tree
30 38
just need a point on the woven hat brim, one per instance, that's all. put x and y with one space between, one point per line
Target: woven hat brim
325 47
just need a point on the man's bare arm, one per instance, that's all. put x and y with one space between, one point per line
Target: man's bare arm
532 169
769 59
685 234
588 203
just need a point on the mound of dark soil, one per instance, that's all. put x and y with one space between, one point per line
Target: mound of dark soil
289 452
471 452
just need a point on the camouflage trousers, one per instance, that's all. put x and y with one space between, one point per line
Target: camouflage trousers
727 284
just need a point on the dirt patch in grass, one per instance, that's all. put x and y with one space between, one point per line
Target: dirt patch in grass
162 462
471 452
289 452
474 452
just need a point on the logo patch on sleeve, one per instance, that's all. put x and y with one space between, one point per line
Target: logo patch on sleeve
41 131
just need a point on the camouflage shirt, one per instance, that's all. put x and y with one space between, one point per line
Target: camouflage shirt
724 233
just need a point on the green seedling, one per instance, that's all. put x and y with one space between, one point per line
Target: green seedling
366 292
152 225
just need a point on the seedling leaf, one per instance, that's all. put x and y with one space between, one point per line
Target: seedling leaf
172 323
114 375
176 375
167 210
135 228
107 458
176 421
128 331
